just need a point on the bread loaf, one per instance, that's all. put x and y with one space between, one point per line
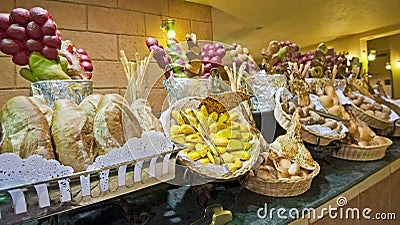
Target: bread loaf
72 132
89 104
114 123
46 111
25 129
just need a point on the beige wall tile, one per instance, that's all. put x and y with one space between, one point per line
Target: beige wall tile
20 81
187 10
108 74
203 30
159 7
99 46
105 91
7 73
115 21
153 26
5 95
66 15
133 44
105 3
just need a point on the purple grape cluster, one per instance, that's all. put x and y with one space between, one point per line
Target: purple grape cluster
161 58
291 54
24 31
211 56
85 63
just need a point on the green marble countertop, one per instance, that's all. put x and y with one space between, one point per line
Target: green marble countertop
170 204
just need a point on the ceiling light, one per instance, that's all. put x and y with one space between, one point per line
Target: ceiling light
388 66
168 26
372 55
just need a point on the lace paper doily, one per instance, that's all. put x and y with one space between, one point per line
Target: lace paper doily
35 168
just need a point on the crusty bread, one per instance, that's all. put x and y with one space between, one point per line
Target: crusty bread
72 132
90 103
114 123
25 129
46 110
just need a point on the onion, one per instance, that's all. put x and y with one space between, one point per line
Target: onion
20 16
49 52
52 41
4 21
49 28
33 30
33 45
38 15
21 58
9 46
17 32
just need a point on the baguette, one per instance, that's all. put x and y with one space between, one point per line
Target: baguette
25 130
72 132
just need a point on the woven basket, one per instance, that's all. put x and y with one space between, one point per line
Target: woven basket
369 119
358 153
254 151
282 188
307 135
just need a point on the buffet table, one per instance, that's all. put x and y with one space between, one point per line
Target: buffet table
363 184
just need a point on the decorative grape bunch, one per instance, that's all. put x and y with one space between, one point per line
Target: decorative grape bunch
241 56
211 56
26 32
289 52
23 32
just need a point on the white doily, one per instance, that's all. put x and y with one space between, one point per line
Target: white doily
35 168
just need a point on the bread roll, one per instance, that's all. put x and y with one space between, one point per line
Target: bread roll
25 130
89 104
72 132
114 123
46 110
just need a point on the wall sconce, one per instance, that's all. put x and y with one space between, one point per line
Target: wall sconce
398 63
388 66
168 26
372 55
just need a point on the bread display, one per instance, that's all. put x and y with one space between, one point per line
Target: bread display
72 132
89 104
109 131
369 106
25 129
46 111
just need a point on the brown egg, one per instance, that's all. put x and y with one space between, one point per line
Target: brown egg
284 163
283 173
294 169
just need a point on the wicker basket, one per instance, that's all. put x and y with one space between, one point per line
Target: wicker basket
214 173
358 153
307 135
282 188
369 119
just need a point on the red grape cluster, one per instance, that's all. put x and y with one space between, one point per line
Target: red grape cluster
78 58
292 55
159 55
211 56
23 31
